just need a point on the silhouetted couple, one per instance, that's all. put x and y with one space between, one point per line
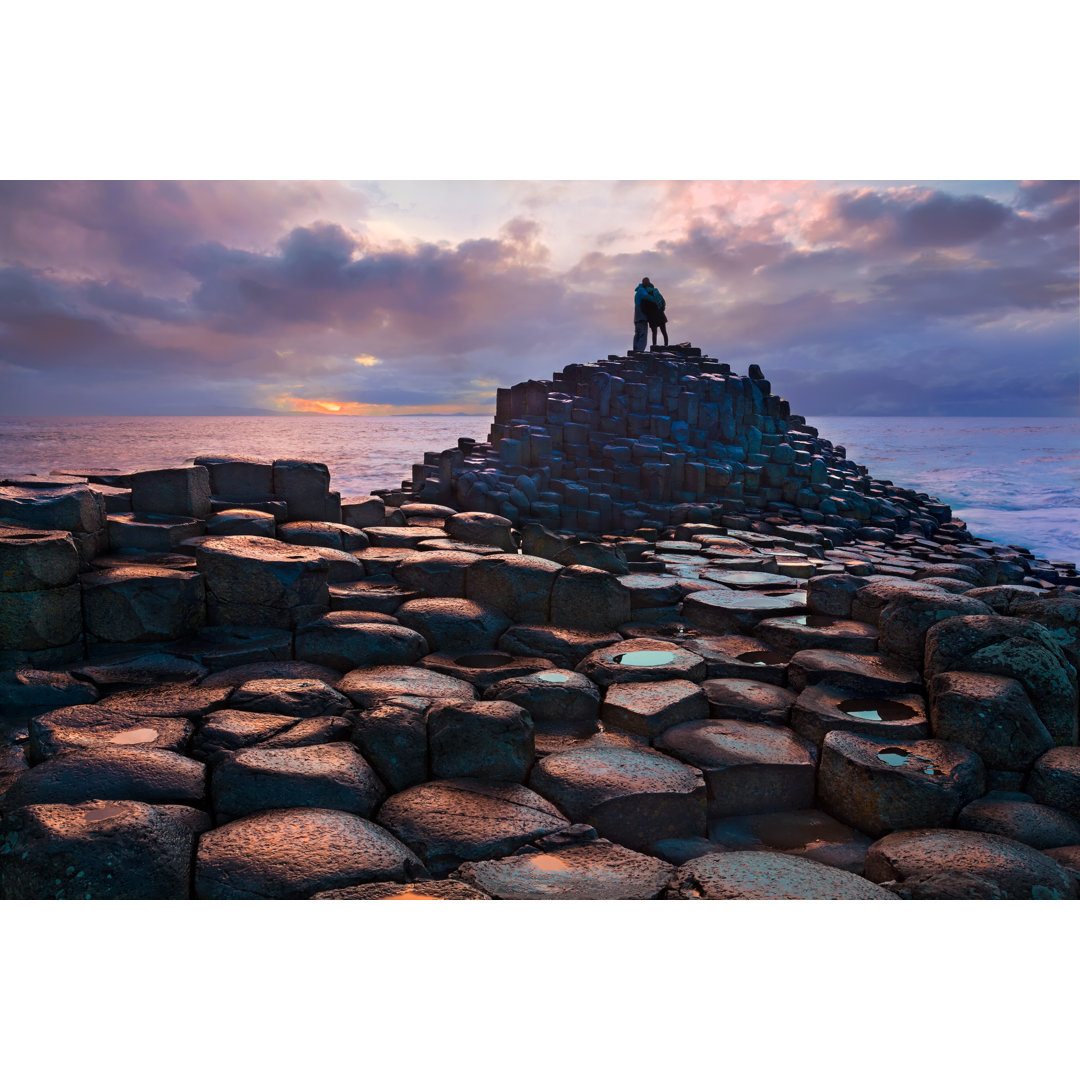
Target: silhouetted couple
649 307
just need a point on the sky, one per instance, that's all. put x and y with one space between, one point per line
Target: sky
233 297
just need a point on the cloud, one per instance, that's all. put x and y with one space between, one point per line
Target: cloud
301 297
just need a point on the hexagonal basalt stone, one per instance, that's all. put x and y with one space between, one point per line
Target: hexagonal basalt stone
36 559
556 700
65 507
255 579
100 728
435 573
748 768
418 890
748 579
832 594
368 687
323 534
474 527
40 619
290 697
96 850
588 870
293 854
151 532
946 864
1020 818
822 708
589 599
652 590
483 669
392 536
641 660
861 676
454 625
1017 649
873 596
141 669
449 822
727 611
344 641
228 730
518 585
990 714
332 776
1055 779
184 491
1006 599
393 739
273 669
1060 617
363 511
633 797
651 708
748 699
767 875
135 604
736 656
167 700
112 772
562 646
488 740
793 633
877 785
375 594
903 622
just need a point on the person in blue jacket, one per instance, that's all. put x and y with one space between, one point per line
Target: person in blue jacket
654 311
642 300
649 307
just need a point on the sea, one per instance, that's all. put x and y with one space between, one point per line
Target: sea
1014 480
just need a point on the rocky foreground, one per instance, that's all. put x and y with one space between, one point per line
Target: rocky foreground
656 639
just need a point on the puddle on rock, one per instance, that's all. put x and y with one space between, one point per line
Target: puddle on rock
760 658
549 862
103 813
134 736
646 658
553 676
888 712
896 757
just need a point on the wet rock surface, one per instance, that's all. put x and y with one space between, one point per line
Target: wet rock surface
96 850
765 875
448 822
332 776
925 864
632 796
655 616
583 870
879 785
293 854
749 768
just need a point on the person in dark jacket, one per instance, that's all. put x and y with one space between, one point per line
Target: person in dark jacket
642 300
654 308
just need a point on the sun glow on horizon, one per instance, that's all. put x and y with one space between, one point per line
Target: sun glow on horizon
286 403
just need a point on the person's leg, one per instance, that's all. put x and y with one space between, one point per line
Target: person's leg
654 335
641 336
663 330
